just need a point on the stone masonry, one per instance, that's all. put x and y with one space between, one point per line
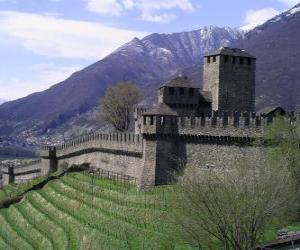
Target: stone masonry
213 127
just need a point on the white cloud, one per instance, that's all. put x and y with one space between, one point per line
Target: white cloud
151 10
150 7
289 3
44 76
108 7
257 17
162 18
57 37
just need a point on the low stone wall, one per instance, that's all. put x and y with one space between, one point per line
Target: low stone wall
125 164
119 153
22 173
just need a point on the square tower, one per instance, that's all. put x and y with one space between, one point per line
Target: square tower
229 75
181 95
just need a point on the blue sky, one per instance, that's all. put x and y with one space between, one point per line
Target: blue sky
43 41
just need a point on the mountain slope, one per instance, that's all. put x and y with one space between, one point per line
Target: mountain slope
147 61
276 46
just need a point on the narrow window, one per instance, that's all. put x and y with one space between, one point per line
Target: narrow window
249 61
151 120
191 92
162 121
214 58
181 91
241 60
208 59
233 59
145 120
171 91
226 58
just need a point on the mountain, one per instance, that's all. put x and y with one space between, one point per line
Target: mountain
2 100
276 46
147 62
157 57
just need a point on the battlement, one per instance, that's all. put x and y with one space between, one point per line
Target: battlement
236 124
227 125
139 111
112 141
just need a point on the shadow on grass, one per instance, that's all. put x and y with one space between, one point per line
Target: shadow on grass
7 202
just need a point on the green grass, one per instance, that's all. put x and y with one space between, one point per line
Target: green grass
271 233
79 211
15 190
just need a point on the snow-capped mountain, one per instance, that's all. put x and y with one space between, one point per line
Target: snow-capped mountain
283 17
276 46
151 60
2 100
145 61
180 48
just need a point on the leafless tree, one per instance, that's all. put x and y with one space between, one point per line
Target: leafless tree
232 207
118 105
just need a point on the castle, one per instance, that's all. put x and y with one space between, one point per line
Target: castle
212 127
229 86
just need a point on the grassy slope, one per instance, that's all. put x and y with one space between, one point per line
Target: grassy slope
81 212
15 190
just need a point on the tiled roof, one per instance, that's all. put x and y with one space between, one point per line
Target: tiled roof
180 81
161 109
270 109
230 52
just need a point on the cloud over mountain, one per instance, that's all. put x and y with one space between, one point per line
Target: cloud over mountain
53 36
150 10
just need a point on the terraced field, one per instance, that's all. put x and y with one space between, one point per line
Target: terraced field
14 190
81 211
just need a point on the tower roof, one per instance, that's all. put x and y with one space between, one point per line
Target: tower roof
230 52
161 109
181 82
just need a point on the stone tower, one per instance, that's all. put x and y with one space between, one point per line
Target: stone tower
229 75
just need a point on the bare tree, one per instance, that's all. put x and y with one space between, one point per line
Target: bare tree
118 105
231 208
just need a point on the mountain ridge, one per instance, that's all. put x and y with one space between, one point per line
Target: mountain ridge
157 57
146 62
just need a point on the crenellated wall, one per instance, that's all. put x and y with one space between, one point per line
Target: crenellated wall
166 143
248 125
120 153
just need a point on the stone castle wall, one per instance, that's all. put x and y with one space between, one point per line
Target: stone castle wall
211 78
246 125
237 85
22 173
120 153
164 147
231 82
